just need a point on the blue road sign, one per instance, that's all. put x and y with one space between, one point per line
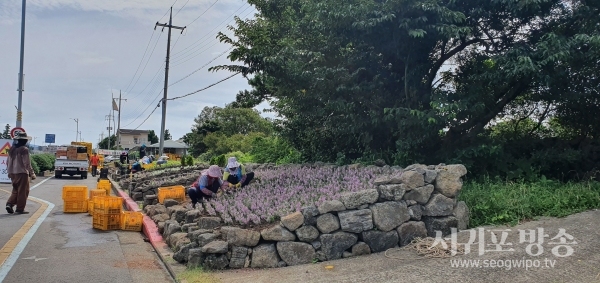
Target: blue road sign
50 138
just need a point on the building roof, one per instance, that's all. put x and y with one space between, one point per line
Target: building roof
133 132
169 144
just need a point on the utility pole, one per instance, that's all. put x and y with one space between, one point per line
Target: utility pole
109 118
21 75
77 132
164 100
119 120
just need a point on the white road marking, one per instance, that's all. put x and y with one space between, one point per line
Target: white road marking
10 261
35 258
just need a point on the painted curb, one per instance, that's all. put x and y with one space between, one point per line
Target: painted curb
149 227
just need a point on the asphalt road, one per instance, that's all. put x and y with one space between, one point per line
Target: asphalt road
65 247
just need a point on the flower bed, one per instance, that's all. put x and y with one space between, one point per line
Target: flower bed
283 190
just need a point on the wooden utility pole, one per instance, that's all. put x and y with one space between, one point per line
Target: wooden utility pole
164 100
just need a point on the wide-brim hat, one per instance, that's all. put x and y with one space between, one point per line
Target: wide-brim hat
214 171
21 136
232 162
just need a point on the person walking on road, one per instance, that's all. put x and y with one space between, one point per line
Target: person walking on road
19 172
94 160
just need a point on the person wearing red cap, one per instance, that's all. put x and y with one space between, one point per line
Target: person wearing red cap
207 185
19 172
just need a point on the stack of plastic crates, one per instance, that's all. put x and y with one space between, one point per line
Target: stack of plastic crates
104 185
94 193
107 212
131 221
174 192
75 198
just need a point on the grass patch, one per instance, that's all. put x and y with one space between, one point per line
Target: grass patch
493 202
197 275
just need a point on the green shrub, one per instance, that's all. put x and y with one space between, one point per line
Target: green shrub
497 202
240 156
44 161
189 160
34 165
219 160
274 150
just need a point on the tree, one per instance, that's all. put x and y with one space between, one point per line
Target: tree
6 133
417 80
104 143
167 134
152 138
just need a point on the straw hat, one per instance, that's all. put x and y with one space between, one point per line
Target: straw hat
214 171
232 162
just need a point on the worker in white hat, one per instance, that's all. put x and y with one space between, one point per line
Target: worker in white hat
235 174
207 185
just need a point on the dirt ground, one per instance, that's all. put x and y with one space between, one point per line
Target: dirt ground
402 265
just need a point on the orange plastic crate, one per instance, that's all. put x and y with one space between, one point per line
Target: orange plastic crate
105 222
99 193
75 192
108 204
174 192
104 186
131 221
75 206
90 207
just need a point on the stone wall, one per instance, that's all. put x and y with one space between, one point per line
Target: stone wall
414 202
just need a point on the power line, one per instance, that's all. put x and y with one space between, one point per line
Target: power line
140 115
147 61
148 116
205 87
204 66
142 60
200 39
203 12
180 8
196 51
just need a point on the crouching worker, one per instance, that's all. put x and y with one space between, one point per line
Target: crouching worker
207 185
236 175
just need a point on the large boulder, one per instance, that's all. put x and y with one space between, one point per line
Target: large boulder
181 256
209 222
195 258
352 200
206 238
448 180
411 230
328 223
361 248
264 256
215 247
334 245
389 215
332 205
238 257
442 224
243 237
191 216
310 214
412 179
356 221
380 241
216 261
461 212
438 205
307 233
391 192
293 221
420 195
295 253
277 233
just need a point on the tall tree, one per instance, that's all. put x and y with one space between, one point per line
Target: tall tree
104 143
152 138
167 135
416 80
6 132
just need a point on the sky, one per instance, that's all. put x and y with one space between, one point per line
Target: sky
80 53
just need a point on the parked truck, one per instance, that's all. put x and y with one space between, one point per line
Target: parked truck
72 160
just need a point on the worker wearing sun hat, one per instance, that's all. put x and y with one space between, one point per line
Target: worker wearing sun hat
235 174
19 171
207 185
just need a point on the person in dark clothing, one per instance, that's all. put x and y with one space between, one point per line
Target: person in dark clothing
19 171
207 185
142 151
